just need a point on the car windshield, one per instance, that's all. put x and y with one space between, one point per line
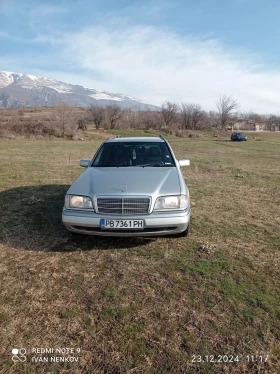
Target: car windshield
141 154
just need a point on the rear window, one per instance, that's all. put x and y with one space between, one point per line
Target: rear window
133 154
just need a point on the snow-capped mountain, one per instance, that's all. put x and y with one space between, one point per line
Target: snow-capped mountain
17 90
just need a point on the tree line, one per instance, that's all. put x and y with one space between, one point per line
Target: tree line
170 115
179 119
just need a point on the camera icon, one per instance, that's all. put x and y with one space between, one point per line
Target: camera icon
19 355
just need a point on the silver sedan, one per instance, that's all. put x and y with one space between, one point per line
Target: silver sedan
131 187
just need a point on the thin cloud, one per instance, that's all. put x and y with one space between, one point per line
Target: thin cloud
151 63
29 8
46 9
156 66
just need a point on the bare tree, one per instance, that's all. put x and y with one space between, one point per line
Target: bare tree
226 105
82 123
197 115
251 116
191 114
63 114
96 114
149 119
274 118
168 112
185 116
114 114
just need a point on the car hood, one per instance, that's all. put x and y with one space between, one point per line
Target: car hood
134 181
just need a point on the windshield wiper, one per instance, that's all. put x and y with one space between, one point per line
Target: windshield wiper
152 165
159 165
112 166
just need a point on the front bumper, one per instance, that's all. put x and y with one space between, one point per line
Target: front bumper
155 224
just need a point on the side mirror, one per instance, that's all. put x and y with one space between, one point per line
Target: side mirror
84 163
184 163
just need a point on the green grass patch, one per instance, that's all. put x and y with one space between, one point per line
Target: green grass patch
144 305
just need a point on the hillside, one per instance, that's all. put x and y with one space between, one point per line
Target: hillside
17 90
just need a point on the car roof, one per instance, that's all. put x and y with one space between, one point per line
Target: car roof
135 139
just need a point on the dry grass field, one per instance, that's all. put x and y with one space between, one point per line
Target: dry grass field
143 305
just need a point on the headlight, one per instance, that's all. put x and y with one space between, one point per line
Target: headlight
172 202
82 202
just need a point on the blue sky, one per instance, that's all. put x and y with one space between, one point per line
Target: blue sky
183 51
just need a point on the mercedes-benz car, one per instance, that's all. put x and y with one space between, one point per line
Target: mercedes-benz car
132 187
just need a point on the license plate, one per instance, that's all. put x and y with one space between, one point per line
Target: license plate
122 224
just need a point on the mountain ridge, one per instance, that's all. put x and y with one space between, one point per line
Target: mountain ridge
18 89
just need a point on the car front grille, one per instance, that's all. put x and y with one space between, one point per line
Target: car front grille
123 205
